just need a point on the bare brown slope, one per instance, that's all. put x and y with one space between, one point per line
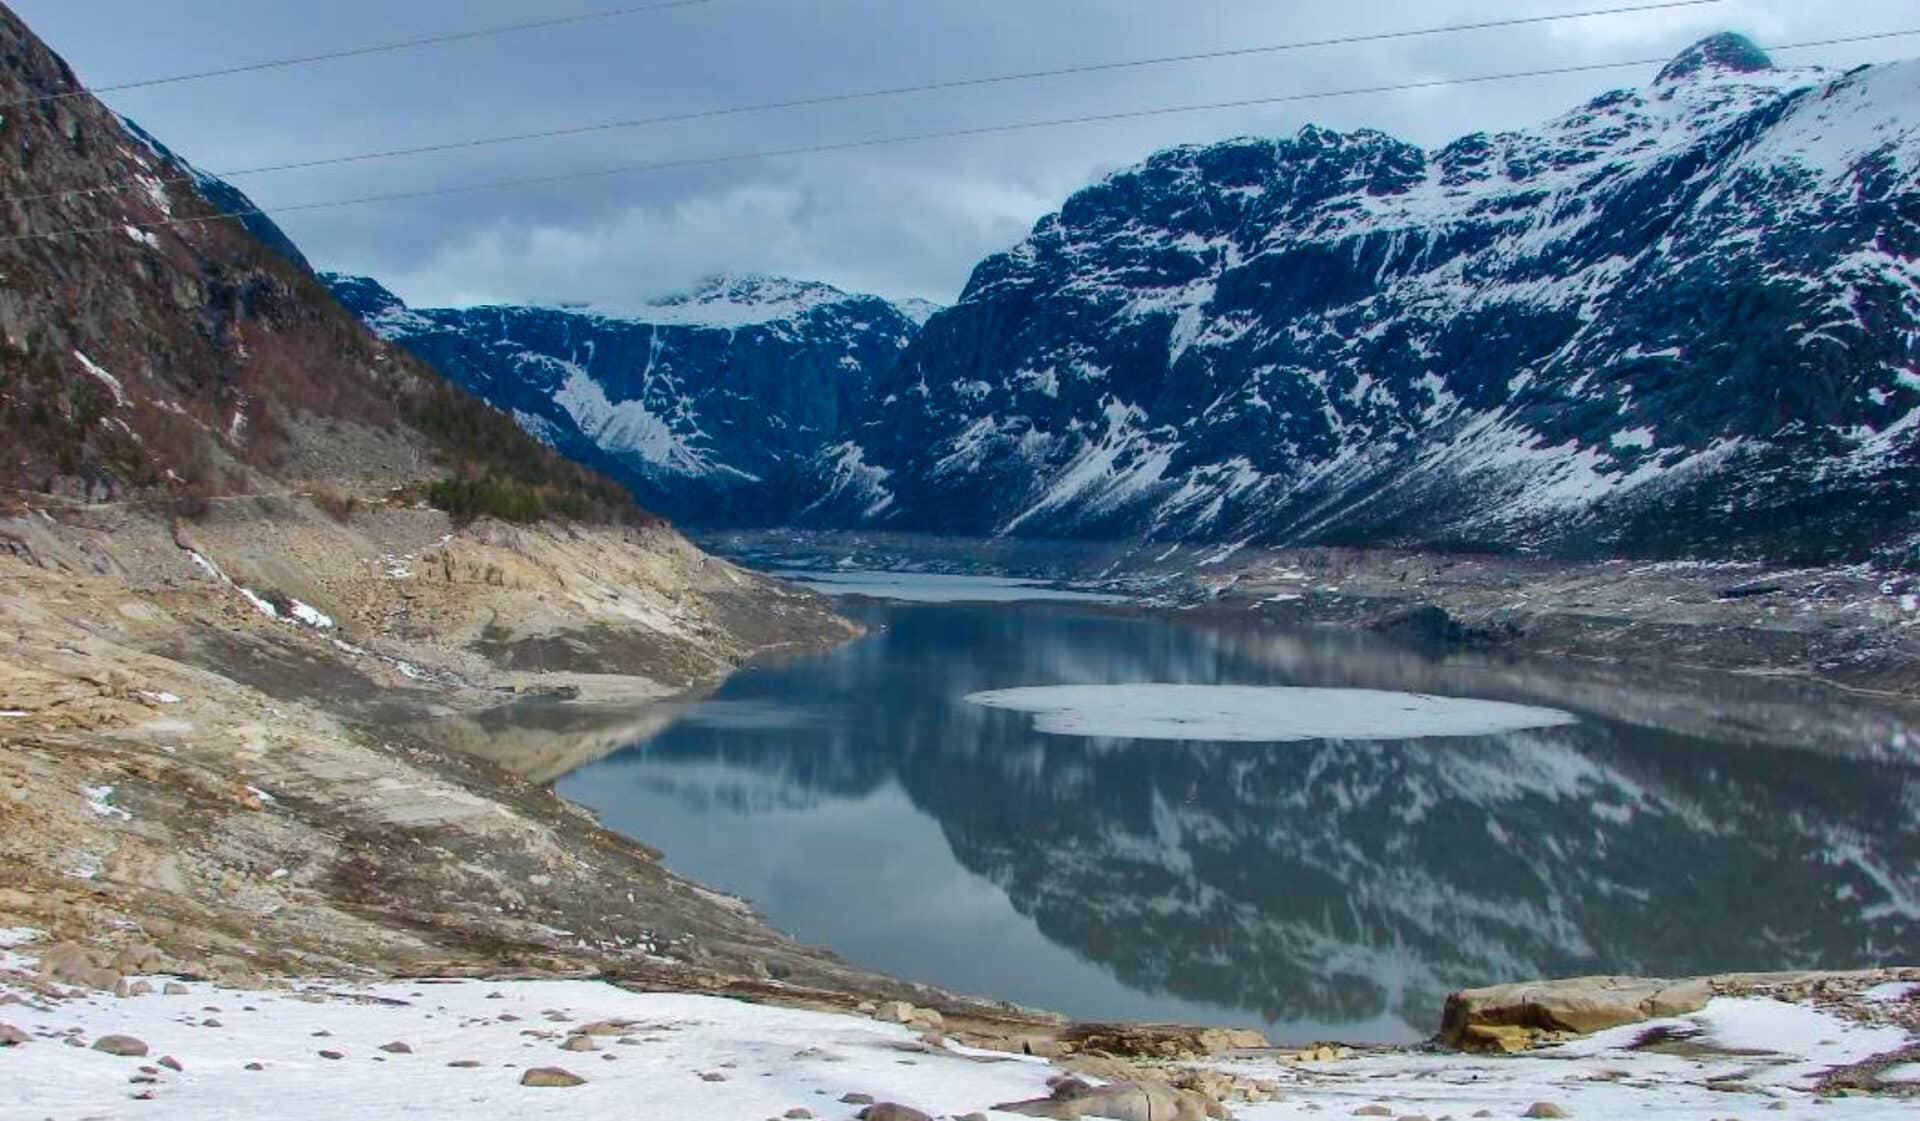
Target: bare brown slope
160 356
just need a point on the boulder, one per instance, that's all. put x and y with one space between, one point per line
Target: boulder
892 1111
11 1036
125 1046
893 1012
1121 1101
551 1078
1514 1017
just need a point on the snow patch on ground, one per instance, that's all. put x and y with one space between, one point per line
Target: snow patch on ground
107 379
100 801
1260 714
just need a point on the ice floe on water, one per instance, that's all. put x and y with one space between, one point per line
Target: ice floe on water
1261 714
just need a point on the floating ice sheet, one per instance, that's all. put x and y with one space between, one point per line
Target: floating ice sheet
1261 714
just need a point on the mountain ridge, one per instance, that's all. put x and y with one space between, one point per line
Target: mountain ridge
1682 320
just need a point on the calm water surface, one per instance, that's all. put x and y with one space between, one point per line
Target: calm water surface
1329 889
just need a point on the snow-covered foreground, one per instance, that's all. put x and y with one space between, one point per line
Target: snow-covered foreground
327 1051
1260 714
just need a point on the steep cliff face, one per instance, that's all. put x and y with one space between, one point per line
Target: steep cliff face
1679 320
1685 318
733 403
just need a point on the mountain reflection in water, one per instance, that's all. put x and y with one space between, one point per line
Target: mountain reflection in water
1314 889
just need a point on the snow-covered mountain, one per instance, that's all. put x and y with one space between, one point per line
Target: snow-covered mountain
728 403
1678 319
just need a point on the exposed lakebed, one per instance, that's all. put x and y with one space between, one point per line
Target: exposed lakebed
1093 853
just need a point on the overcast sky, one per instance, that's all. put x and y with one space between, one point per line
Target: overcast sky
906 220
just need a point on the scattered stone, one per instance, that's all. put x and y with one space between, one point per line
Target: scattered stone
893 1012
11 1036
894 1111
1545 1109
1159 1041
856 1099
171 1063
124 1046
579 1043
713 1076
173 988
254 1066
1373 1111
396 1048
336 1056
210 1022
463 1064
551 1078
798 1113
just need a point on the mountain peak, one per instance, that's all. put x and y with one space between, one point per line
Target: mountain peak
1725 53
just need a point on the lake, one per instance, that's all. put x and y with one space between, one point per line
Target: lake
1316 888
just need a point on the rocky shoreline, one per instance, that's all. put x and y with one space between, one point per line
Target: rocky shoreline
1855 628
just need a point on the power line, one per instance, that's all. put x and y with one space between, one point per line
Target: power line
356 52
896 91
877 142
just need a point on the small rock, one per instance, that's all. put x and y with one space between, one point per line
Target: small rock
254 1066
1373 1111
798 1113
171 1063
11 1036
336 1056
210 1022
713 1076
396 1048
551 1078
971 1117
125 1046
579 1043
1545 1109
463 1064
173 988
892 1111
856 1099
893 1012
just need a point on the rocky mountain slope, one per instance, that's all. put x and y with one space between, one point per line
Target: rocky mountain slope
1682 319
157 351
732 403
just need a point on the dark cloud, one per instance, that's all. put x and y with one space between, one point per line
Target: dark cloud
905 220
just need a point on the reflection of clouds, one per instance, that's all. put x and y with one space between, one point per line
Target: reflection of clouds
1332 882
758 716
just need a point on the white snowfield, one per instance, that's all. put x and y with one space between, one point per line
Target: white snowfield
1261 714
684 1057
